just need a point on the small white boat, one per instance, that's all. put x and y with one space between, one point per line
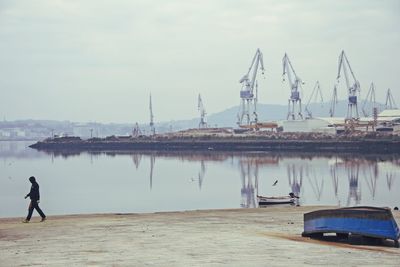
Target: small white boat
263 201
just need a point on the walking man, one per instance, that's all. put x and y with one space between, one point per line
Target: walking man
35 198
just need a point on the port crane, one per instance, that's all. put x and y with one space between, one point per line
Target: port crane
390 104
334 101
316 93
295 84
152 128
352 110
247 91
136 130
202 110
369 99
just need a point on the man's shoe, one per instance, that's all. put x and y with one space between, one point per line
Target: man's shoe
43 219
25 221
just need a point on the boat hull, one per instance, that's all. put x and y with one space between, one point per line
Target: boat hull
264 201
364 221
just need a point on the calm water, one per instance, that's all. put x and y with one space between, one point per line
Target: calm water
148 182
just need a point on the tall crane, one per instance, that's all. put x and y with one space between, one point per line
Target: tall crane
136 130
369 100
295 83
152 128
352 110
334 101
200 107
390 104
316 93
247 92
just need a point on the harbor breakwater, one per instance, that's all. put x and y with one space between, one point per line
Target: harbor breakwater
361 145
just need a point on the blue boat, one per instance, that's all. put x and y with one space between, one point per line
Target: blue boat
370 222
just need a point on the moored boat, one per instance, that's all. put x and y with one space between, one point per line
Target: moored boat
370 222
263 200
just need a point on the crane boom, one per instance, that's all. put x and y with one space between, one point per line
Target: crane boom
333 101
295 84
342 59
371 98
314 95
344 66
200 107
152 129
390 104
249 83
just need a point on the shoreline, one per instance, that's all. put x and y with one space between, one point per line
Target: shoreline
226 237
377 146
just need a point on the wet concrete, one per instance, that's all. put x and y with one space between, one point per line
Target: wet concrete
240 237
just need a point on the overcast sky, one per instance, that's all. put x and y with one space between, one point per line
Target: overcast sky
93 60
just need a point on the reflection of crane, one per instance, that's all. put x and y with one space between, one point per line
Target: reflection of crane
136 158
352 110
152 128
369 101
354 191
371 177
295 178
152 162
389 180
315 185
202 173
314 96
335 180
200 107
247 91
390 104
295 83
247 191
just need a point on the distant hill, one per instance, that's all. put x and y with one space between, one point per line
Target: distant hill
266 112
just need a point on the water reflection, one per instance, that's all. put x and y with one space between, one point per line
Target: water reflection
152 162
192 180
202 173
355 190
295 177
249 178
136 158
389 180
317 185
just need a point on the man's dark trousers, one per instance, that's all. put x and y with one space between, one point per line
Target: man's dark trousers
34 205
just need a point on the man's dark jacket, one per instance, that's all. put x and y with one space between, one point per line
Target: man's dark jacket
34 193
